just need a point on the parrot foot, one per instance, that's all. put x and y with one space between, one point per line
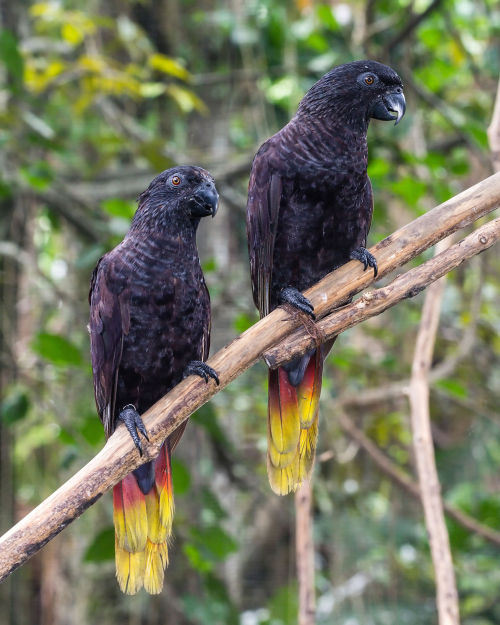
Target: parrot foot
291 295
133 422
197 367
364 256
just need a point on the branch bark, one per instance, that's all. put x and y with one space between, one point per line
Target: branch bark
304 547
430 488
119 457
373 303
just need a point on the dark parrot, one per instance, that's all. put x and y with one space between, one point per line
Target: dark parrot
149 328
309 211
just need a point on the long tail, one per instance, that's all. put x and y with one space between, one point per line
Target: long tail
143 525
292 431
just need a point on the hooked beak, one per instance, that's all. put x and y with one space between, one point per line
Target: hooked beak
205 200
390 107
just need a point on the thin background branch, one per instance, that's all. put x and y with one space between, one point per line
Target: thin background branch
304 545
430 489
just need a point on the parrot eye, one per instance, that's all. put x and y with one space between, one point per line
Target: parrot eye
176 181
367 79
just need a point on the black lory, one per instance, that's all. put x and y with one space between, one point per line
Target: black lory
309 211
149 328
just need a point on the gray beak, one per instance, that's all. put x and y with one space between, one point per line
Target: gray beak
205 200
390 107
396 103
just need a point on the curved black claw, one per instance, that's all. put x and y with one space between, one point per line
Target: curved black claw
364 256
291 295
133 423
198 367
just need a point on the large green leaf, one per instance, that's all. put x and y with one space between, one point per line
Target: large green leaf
12 59
102 548
56 349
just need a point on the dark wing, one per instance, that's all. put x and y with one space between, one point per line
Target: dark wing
109 324
264 198
204 350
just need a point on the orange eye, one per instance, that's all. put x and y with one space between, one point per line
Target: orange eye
176 181
369 80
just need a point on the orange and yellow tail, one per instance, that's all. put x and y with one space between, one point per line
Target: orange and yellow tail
143 525
292 429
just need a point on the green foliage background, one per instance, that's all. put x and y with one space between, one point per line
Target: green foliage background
94 102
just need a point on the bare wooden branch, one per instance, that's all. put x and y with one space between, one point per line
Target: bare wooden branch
430 488
304 547
374 302
119 456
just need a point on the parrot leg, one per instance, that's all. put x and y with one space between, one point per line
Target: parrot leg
198 367
133 422
291 295
364 256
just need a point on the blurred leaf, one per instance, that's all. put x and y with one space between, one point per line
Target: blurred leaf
119 208
410 189
91 430
209 265
243 321
168 65
186 100
326 16
72 34
38 175
452 387
102 548
14 407
196 559
284 605
181 477
56 349
12 59
211 503
214 540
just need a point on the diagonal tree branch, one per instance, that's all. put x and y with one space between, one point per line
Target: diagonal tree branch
374 302
119 456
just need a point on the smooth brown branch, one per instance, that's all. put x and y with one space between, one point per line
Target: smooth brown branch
430 488
373 303
119 456
304 548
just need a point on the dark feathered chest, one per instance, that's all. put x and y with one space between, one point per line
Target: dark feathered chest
325 212
169 312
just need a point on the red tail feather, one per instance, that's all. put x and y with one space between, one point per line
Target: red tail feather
143 525
293 426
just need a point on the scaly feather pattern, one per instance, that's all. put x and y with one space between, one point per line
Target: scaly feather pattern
309 209
149 319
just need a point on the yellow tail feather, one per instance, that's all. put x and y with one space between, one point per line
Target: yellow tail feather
129 569
293 415
156 562
143 525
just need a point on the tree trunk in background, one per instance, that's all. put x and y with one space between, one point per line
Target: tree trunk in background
12 229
